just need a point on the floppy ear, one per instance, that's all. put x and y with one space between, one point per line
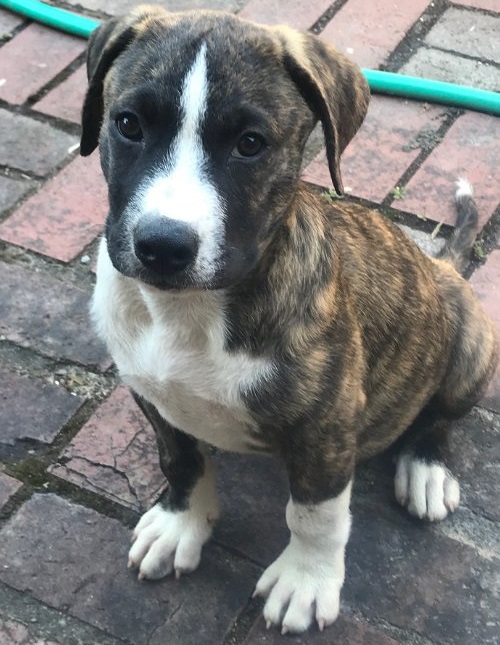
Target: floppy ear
106 43
334 88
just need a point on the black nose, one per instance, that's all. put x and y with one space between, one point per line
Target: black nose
165 245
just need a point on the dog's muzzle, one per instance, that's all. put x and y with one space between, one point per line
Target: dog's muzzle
165 246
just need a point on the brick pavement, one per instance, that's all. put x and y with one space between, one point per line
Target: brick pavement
78 462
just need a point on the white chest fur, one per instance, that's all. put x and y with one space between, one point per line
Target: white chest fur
170 349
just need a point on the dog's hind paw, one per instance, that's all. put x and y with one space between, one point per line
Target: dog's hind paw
164 541
299 591
427 489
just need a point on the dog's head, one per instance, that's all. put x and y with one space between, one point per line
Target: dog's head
201 120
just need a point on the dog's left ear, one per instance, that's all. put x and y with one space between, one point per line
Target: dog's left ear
332 85
106 43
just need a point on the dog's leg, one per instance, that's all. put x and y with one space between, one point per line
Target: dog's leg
304 583
170 535
423 483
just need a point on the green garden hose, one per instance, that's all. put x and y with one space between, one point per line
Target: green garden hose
380 82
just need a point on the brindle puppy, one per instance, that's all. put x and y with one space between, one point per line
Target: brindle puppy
247 312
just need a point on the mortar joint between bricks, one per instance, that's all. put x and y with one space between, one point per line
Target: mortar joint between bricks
415 35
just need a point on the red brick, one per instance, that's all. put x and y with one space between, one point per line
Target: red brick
8 22
295 13
65 215
14 633
469 149
115 454
378 155
49 316
31 409
345 630
74 559
66 100
486 284
490 5
29 145
32 58
368 31
112 7
8 486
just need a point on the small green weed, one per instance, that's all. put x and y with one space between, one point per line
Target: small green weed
398 192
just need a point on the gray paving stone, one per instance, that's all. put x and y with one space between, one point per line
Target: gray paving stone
30 145
40 312
345 631
77 562
15 633
425 241
467 32
253 494
414 579
11 190
47 623
31 409
8 485
8 22
475 459
452 68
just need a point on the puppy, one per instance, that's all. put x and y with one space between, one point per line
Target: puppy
247 312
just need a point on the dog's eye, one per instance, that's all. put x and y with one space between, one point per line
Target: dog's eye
249 145
129 127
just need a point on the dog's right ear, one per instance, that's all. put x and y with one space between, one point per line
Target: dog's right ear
106 43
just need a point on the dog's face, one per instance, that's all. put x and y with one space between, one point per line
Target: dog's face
202 119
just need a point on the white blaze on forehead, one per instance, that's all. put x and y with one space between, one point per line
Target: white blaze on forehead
180 188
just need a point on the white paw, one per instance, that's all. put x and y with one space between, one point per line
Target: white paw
166 540
428 490
300 587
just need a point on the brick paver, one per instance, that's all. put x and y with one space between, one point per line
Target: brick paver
117 7
31 409
8 486
90 550
486 284
50 317
475 455
115 454
65 215
468 32
388 142
65 101
408 564
30 145
297 14
32 59
452 68
8 22
344 631
15 633
368 31
63 576
469 149
490 5
11 190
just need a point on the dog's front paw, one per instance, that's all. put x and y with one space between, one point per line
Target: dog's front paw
428 490
165 540
300 587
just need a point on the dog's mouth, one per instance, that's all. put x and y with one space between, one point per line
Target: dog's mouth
129 265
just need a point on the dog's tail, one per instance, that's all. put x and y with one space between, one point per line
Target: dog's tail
458 247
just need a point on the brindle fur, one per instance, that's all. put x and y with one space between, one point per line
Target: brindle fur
368 335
